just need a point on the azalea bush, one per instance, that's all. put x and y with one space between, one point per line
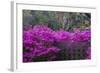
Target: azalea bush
41 43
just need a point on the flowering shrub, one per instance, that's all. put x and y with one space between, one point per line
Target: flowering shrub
40 43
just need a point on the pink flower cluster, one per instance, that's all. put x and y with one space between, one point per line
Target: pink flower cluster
40 43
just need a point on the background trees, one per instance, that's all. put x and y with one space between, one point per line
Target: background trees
57 20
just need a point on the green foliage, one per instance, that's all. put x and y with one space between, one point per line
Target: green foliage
57 20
